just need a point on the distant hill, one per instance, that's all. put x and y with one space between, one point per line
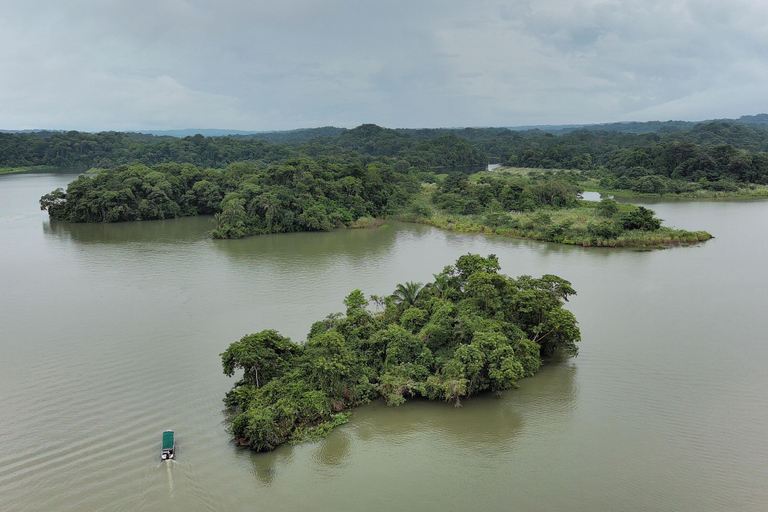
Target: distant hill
189 132
758 120
293 136
470 133
626 127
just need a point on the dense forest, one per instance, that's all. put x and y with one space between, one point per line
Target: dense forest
328 178
298 195
544 206
470 330
312 187
110 149
677 158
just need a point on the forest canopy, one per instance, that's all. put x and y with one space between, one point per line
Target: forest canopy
254 187
718 151
469 331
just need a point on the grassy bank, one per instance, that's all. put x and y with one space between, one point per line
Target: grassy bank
687 190
748 192
582 225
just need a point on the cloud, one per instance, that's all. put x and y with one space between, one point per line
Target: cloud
239 64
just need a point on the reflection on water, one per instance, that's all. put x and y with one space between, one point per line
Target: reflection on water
354 246
186 229
335 451
268 466
484 428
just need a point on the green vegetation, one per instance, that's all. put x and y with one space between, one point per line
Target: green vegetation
298 195
306 194
677 158
540 206
470 331
327 178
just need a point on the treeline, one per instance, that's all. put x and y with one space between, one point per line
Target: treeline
541 206
716 153
298 195
110 149
504 192
307 194
471 330
701 154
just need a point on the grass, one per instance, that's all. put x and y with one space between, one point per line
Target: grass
366 223
570 226
750 191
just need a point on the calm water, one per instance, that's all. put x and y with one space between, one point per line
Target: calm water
109 334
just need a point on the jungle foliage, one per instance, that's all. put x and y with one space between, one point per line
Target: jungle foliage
677 158
307 194
110 149
254 187
301 194
472 330
541 206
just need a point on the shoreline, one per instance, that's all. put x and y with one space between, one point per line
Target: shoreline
20 170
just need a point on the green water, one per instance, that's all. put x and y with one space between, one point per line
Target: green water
111 334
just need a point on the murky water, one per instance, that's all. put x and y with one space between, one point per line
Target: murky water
110 334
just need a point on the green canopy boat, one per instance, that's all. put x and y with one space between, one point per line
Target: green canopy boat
169 445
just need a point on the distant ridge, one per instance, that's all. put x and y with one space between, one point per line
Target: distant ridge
190 132
305 134
637 127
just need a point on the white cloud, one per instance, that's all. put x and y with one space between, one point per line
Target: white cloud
110 64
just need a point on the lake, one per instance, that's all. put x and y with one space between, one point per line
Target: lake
110 334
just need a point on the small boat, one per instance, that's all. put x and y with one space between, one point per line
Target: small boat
169 445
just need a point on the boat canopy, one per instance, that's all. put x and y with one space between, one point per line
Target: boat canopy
168 440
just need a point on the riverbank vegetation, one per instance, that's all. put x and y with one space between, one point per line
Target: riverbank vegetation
540 205
299 195
471 330
720 156
309 194
327 178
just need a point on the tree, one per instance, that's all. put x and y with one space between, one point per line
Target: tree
640 218
262 357
468 264
355 302
607 207
406 294
485 335
54 203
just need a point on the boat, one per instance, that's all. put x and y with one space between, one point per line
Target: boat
169 445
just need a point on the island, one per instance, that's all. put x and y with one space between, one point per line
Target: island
318 194
471 330
325 178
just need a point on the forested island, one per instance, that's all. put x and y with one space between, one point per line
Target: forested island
254 187
471 330
325 178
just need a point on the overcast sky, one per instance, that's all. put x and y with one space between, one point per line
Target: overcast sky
94 65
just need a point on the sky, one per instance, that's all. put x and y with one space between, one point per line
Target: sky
93 65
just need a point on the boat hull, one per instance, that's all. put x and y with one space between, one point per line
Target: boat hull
168 451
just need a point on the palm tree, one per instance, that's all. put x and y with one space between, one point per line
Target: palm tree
441 284
406 294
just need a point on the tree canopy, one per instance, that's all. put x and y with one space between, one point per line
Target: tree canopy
253 187
471 331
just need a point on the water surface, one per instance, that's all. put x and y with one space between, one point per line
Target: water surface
111 333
